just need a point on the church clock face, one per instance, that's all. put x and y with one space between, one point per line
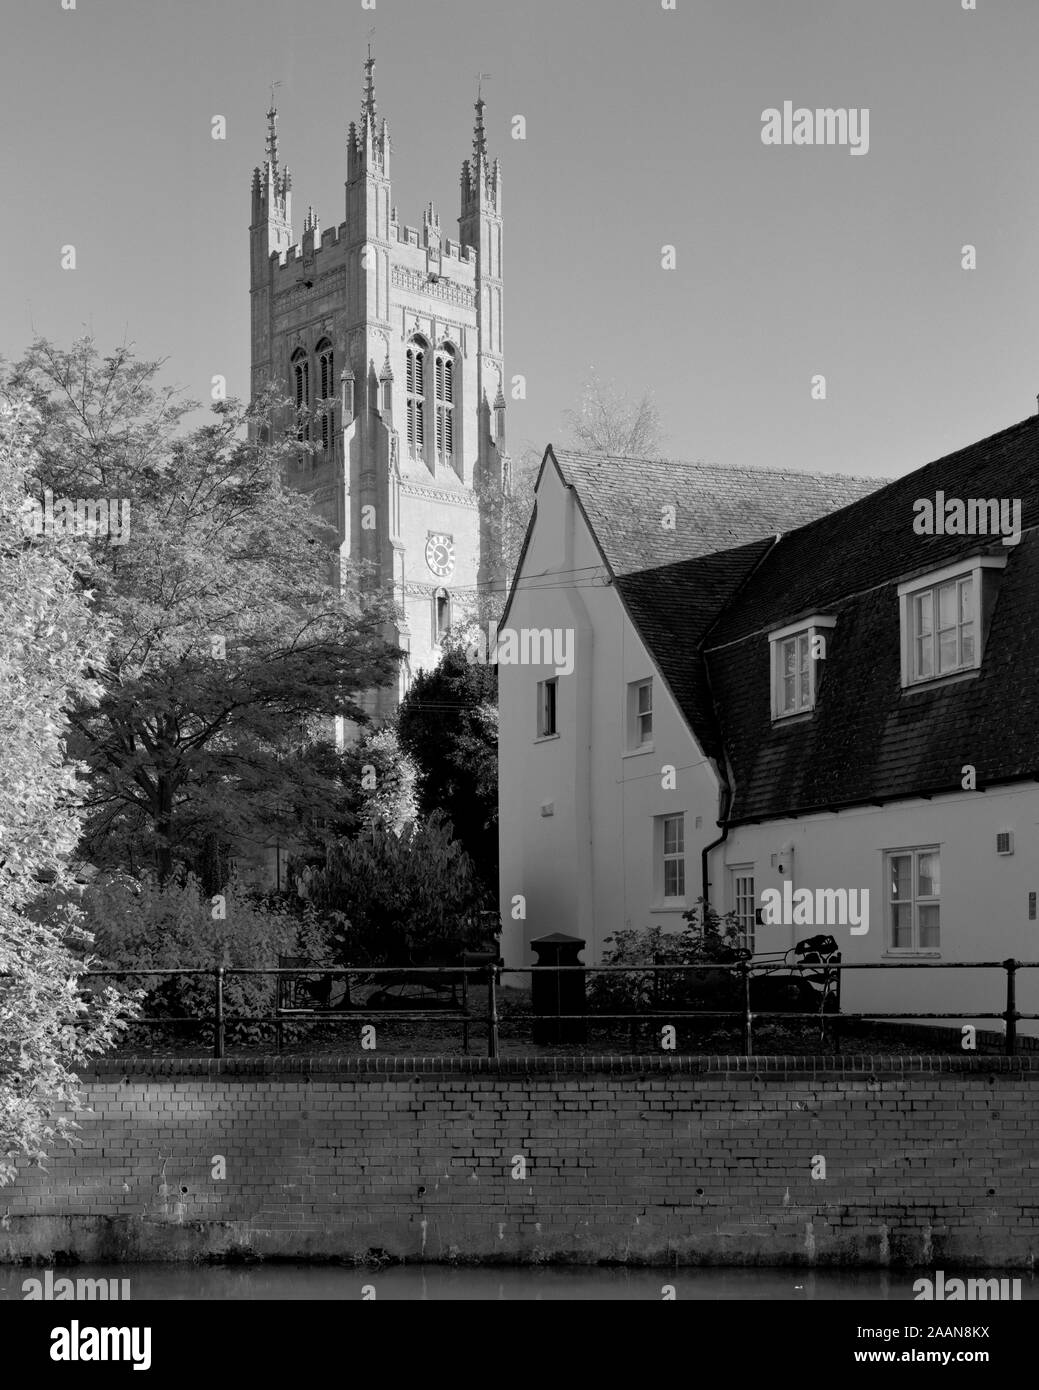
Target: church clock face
440 554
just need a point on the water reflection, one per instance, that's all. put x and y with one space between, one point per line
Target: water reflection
429 1283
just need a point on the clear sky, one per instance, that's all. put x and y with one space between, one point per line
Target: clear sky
643 128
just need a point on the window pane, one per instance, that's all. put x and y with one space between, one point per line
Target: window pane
673 835
674 878
901 869
928 875
645 698
946 605
967 637
802 653
902 924
929 926
923 656
922 613
947 651
788 654
789 692
966 601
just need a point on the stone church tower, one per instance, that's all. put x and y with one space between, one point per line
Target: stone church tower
389 340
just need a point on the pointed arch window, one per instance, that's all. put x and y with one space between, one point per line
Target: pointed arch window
415 358
301 382
326 379
441 615
445 403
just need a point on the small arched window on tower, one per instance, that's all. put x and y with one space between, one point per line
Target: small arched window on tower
326 377
445 403
415 357
301 382
441 615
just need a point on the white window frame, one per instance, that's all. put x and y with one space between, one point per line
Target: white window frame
634 741
662 856
544 707
915 900
908 591
809 629
743 903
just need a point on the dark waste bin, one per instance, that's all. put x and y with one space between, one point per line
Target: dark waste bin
556 992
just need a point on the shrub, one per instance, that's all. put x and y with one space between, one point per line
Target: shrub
408 899
704 940
139 924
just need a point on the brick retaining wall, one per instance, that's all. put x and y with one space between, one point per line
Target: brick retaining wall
647 1160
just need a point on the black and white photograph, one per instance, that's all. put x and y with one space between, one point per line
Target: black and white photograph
519 683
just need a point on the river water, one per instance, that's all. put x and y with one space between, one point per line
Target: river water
441 1282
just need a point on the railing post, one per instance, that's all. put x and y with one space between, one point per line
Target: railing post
748 1039
1011 1012
218 1021
492 1011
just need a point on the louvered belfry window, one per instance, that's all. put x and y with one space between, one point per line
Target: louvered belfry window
416 393
327 382
301 374
445 403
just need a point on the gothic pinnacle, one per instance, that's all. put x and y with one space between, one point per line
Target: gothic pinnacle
368 107
479 137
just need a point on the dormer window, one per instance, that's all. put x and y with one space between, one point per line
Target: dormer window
795 653
944 619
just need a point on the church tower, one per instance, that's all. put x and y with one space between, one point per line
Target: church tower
388 339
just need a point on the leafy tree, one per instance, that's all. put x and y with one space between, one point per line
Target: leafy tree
233 638
383 780
408 899
48 637
448 722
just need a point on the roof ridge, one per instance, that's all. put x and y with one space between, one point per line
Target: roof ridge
601 456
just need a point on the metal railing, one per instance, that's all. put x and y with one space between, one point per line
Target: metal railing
219 1019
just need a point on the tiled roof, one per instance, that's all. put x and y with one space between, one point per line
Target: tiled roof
706 621
867 739
718 508
872 541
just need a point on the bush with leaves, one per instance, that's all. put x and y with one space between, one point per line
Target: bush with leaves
408 899
142 924
706 939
